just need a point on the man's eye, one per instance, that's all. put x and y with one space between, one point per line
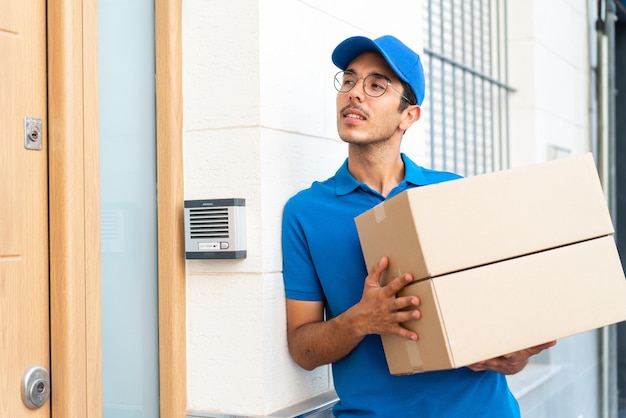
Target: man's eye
348 82
378 84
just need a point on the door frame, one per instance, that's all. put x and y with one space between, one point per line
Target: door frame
170 207
74 209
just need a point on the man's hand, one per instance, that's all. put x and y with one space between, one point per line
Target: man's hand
511 363
380 311
314 341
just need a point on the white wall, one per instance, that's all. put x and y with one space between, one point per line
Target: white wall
549 66
259 124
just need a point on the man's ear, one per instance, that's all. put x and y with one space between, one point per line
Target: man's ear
410 115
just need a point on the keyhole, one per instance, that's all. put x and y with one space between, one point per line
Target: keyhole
34 135
35 387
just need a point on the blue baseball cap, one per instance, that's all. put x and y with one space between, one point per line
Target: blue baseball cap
402 59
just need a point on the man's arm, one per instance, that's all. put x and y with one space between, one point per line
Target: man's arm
314 342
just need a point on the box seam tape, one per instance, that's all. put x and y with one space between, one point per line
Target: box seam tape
446 337
379 212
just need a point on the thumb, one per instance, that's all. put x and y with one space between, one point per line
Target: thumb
373 279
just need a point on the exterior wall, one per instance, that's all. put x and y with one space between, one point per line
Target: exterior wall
549 66
259 123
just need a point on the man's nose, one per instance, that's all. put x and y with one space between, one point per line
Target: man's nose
358 91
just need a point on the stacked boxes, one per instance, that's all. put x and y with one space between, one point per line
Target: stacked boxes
501 262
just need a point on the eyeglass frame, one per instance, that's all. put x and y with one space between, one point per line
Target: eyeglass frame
340 82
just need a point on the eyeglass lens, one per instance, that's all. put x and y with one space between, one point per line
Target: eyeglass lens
373 85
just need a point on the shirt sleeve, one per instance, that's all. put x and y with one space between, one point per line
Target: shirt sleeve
299 274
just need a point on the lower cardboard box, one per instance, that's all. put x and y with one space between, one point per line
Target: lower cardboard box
487 311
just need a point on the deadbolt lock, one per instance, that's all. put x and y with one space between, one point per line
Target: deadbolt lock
32 133
35 387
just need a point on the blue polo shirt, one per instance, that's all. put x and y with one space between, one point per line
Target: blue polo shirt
322 261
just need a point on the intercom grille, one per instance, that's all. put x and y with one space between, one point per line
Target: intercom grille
209 223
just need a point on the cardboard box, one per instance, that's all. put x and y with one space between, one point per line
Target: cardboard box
478 220
484 312
502 261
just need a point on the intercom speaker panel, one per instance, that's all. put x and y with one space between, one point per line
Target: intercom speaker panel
215 229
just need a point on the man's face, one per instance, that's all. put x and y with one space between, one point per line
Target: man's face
364 120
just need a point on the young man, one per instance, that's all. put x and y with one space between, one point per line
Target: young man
336 311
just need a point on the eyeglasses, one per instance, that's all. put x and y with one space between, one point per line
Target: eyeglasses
374 85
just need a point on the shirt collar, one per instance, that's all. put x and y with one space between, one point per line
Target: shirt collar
346 183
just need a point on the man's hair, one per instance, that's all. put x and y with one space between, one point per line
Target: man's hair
407 91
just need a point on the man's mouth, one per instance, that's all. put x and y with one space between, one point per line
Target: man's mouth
354 114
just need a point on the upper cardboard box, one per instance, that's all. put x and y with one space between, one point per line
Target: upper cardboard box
446 227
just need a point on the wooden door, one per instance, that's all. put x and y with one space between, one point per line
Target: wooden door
24 271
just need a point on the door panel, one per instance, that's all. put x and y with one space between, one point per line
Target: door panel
130 351
24 280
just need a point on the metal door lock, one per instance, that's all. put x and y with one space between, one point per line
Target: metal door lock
35 387
32 133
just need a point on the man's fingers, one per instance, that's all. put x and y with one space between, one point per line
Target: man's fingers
513 362
541 347
406 302
388 311
376 271
406 333
407 315
532 350
398 283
